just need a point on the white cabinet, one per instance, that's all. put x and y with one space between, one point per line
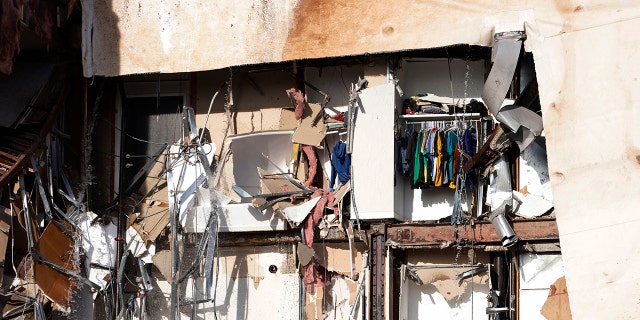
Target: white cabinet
373 158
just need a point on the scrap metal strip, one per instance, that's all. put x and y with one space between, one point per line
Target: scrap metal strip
43 195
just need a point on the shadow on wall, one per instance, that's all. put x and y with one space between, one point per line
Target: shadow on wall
96 156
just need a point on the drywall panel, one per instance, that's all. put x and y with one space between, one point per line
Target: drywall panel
372 157
590 97
537 273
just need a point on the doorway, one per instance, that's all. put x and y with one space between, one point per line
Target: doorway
148 124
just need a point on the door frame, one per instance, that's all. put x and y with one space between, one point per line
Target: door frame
134 88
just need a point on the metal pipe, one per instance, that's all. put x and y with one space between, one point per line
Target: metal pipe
121 219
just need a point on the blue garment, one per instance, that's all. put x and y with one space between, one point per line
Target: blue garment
340 162
452 143
469 141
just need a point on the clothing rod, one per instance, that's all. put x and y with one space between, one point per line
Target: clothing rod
451 121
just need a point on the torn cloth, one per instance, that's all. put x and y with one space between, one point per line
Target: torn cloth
299 100
310 152
10 35
316 275
327 200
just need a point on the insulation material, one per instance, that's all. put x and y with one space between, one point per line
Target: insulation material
537 273
42 19
312 169
100 247
315 274
297 99
98 240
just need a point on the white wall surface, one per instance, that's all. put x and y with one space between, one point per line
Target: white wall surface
537 273
432 76
246 289
425 302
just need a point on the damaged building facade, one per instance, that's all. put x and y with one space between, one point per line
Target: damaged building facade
332 160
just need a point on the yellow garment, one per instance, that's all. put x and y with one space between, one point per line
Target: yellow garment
423 147
438 180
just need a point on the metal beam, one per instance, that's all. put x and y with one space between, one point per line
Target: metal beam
412 235
258 238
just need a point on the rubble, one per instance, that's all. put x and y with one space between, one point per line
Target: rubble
389 186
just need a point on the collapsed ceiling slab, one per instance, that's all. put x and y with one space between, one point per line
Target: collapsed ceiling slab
140 36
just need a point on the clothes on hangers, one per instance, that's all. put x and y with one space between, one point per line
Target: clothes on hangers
430 157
